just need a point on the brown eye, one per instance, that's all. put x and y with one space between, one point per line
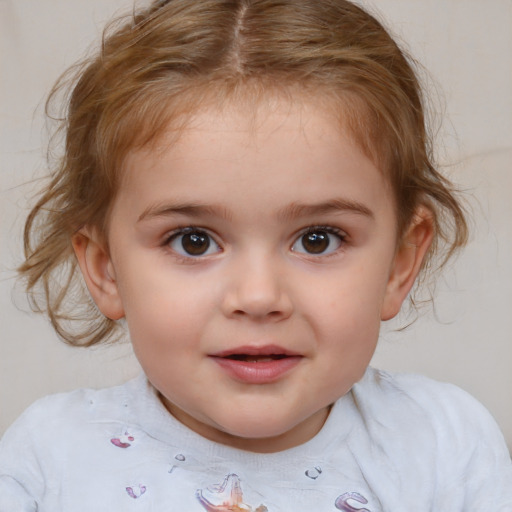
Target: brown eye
315 243
193 243
318 242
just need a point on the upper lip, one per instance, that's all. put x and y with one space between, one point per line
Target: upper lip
251 350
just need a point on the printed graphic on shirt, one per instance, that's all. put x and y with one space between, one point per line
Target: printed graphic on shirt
342 502
123 441
226 497
313 473
180 458
136 491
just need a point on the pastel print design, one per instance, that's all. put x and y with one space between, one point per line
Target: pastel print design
341 502
123 441
136 491
314 473
226 497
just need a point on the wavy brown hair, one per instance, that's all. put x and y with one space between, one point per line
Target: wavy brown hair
164 62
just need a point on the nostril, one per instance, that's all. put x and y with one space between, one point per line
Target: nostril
256 298
274 314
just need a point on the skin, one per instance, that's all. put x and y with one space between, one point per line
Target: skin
253 186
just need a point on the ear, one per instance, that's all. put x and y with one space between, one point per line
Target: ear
98 272
408 261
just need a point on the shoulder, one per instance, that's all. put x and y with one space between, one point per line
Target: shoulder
51 434
421 396
56 415
430 415
434 435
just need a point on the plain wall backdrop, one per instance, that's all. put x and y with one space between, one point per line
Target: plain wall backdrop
466 45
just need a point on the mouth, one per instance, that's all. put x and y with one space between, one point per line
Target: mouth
257 365
256 359
252 354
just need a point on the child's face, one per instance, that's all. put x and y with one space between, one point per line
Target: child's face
253 260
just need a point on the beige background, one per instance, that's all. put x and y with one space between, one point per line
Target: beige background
467 47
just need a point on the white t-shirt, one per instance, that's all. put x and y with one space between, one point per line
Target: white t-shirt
394 443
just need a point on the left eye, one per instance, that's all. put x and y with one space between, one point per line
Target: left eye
318 242
193 243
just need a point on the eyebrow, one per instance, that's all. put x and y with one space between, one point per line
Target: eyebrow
188 209
297 210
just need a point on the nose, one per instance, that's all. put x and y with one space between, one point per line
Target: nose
257 290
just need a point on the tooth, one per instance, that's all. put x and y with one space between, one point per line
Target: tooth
259 359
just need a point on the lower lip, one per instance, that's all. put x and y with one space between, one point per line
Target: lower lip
254 372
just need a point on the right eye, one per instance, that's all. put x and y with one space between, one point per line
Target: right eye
193 243
319 241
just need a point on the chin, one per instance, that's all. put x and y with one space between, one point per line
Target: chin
259 428
266 433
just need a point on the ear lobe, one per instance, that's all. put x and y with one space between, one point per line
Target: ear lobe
408 261
98 272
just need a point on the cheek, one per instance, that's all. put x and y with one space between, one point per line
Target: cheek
355 292
161 308
345 310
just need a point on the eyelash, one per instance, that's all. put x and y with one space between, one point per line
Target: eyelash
182 231
340 234
189 258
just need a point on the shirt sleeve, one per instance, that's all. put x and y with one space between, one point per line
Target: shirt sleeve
434 446
21 477
14 497
481 467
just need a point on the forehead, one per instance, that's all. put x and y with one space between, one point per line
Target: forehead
272 156
253 102
250 114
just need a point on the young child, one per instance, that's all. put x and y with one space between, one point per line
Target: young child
248 185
